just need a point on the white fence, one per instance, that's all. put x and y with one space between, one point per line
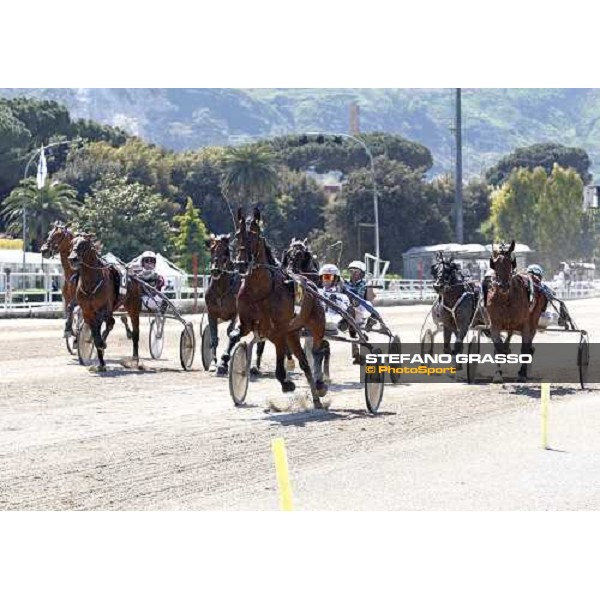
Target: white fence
32 290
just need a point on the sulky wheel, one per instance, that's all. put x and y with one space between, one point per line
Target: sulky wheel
373 389
583 359
474 348
239 373
187 347
427 342
208 353
86 350
395 348
156 337
71 342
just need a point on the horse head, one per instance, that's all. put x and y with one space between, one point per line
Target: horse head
57 236
503 263
83 251
250 242
220 255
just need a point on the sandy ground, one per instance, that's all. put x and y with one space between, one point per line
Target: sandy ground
163 438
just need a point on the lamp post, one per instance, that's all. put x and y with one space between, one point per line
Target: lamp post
375 202
34 153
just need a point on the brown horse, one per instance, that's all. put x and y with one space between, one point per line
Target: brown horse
266 306
59 242
509 306
98 295
221 300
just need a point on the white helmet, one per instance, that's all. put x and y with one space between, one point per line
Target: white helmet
148 254
358 264
490 273
329 269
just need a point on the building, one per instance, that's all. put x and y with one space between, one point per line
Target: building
473 257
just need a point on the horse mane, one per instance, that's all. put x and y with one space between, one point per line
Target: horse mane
270 256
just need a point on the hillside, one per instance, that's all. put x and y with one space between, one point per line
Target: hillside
495 120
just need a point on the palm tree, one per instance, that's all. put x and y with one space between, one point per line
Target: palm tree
55 201
250 173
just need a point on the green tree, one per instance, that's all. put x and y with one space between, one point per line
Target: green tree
560 214
128 218
55 201
410 211
337 153
249 174
190 239
515 207
543 211
541 155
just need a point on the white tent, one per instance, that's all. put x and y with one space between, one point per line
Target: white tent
173 275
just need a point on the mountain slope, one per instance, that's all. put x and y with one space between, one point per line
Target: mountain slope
495 121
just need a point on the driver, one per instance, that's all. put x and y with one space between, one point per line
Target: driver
152 302
358 285
537 274
331 288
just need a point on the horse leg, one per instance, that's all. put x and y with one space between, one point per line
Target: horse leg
526 348
290 363
293 343
127 330
134 315
498 349
110 323
98 342
280 373
321 353
260 348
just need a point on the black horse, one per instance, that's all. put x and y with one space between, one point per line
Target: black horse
457 307
299 259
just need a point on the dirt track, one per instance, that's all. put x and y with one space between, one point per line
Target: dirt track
166 439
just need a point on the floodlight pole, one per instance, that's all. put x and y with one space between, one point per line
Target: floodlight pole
375 200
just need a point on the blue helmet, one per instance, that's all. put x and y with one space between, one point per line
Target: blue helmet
535 270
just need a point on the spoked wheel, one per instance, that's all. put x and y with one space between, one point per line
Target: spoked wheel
187 347
157 337
208 354
583 359
427 342
374 390
395 348
474 348
239 373
86 350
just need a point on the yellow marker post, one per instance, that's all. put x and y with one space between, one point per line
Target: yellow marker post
283 477
545 401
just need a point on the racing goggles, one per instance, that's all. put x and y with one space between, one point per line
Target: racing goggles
328 277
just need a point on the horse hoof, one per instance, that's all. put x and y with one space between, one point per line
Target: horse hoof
222 370
288 386
321 388
318 404
254 371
